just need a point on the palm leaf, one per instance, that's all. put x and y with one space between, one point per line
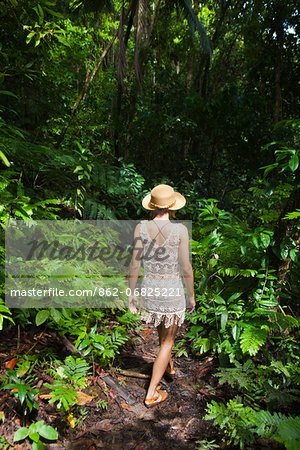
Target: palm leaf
196 26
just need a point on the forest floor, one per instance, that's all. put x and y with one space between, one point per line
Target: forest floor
126 423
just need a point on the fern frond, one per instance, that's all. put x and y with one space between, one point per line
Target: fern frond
252 339
282 397
267 423
281 321
234 377
289 433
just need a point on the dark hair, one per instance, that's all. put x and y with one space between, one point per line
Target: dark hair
159 212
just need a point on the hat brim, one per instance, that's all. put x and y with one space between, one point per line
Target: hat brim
179 203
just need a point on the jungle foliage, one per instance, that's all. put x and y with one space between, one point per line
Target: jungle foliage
100 101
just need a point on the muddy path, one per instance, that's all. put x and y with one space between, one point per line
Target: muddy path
125 423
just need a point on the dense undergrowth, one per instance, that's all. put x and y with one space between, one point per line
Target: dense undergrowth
246 288
81 145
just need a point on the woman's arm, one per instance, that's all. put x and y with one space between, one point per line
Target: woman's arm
186 267
134 268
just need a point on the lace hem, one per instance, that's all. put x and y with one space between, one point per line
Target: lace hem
158 317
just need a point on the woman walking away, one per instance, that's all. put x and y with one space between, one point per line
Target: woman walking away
165 247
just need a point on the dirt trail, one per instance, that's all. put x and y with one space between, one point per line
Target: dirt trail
176 423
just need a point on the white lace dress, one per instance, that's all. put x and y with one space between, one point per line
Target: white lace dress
162 293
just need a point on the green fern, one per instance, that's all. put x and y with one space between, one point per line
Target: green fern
289 433
281 396
233 418
64 394
76 370
292 215
242 423
69 377
252 339
282 322
235 377
267 423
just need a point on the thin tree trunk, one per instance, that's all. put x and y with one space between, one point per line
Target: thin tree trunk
189 76
137 88
201 79
82 95
121 86
279 19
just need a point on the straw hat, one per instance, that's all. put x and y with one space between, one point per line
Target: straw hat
163 196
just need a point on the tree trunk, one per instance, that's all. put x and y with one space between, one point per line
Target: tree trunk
118 105
279 19
82 95
142 57
201 80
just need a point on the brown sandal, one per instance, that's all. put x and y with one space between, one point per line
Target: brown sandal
171 373
161 397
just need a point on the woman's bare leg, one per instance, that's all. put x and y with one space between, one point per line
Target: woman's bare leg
167 337
170 365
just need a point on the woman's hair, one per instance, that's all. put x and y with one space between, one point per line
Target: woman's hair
159 212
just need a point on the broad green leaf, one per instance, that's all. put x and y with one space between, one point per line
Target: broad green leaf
284 252
234 296
265 239
224 318
24 367
293 163
255 241
38 425
9 93
34 436
219 300
41 317
33 428
38 445
4 159
20 434
293 254
41 12
30 36
48 432
21 392
55 314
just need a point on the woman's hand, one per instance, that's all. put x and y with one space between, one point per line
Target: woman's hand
133 303
191 303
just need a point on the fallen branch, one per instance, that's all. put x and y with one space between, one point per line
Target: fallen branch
111 382
130 373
